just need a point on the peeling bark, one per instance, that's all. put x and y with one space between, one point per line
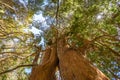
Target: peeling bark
46 70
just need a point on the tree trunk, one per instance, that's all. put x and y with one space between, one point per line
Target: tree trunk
46 70
74 66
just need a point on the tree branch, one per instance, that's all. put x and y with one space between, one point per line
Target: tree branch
7 71
99 37
57 11
7 5
113 51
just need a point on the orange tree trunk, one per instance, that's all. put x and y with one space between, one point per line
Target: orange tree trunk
46 70
74 66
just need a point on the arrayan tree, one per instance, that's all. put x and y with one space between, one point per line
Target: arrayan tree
82 40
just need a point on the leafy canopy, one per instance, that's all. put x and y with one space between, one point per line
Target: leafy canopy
91 26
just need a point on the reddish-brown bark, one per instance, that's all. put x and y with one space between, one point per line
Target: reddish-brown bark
46 70
73 66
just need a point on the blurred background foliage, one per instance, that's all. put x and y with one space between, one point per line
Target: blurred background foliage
92 26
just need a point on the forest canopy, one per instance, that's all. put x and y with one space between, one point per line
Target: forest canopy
30 27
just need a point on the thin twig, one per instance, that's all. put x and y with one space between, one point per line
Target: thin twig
7 5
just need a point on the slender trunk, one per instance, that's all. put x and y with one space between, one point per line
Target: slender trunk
46 70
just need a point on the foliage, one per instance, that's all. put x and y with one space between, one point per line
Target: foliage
89 25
